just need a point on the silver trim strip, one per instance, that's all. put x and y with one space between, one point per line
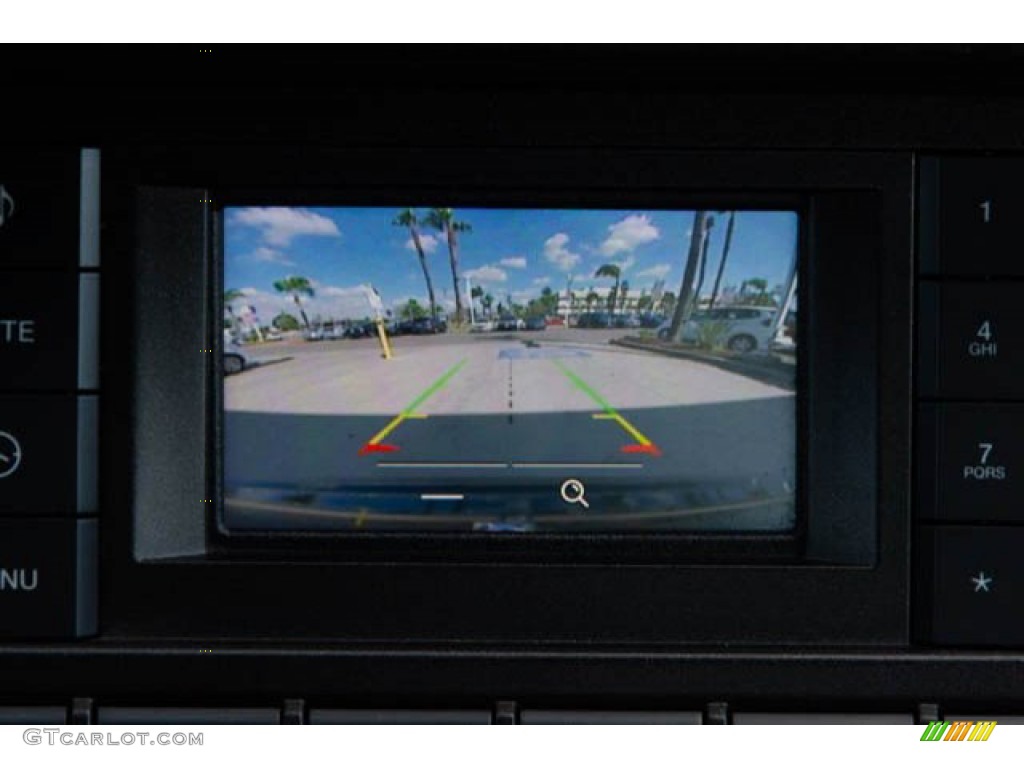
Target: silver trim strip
88 455
89 210
86 578
89 331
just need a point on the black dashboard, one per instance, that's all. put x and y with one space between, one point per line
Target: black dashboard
202 429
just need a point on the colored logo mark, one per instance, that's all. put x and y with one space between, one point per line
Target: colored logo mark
959 730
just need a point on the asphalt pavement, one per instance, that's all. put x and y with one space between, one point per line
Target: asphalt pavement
457 414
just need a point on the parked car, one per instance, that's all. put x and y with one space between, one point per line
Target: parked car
482 326
626 321
535 324
509 323
783 349
315 334
746 329
651 320
234 359
594 320
334 331
360 330
427 325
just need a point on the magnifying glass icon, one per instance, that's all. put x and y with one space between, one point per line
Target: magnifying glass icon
572 492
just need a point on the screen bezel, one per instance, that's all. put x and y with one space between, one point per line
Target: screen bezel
704 590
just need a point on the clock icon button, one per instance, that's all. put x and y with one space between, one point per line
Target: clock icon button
10 454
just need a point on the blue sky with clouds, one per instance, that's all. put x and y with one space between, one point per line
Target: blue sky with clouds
508 252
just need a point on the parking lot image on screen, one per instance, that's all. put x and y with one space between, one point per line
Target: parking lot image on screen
509 370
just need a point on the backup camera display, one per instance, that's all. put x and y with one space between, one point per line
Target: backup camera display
507 371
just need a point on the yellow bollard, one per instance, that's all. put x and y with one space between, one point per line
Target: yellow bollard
383 334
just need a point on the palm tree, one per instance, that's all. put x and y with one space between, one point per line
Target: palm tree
613 271
230 295
702 267
667 304
725 255
443 220
476 292
592 298
407 220
296 286
685 301
411 310
487 302
759 284
623 294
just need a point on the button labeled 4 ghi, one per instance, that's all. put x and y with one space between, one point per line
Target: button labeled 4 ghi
983 345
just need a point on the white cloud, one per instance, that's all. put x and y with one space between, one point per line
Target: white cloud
514 262
658 271
428 242
626 235
281 225
541 280
330 302
271 256
557 253
488 274
334 291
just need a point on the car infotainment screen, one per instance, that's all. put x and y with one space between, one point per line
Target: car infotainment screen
509 370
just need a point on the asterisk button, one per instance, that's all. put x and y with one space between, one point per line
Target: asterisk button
982 582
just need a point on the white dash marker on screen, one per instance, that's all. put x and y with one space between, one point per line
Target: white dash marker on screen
442 496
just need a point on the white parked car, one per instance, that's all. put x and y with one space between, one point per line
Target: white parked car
234 359
746 329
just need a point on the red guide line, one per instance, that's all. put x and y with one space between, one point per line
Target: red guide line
637 448
377 448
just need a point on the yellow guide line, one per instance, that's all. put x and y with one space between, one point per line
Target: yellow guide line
409 412
622 422
643 445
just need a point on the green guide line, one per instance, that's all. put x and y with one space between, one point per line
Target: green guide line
445 378
376 445
581 384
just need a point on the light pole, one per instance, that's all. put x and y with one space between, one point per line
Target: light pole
469 293
568 299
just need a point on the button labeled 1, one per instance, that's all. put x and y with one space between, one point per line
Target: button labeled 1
969 216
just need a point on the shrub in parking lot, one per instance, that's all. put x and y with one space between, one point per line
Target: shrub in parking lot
712 335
